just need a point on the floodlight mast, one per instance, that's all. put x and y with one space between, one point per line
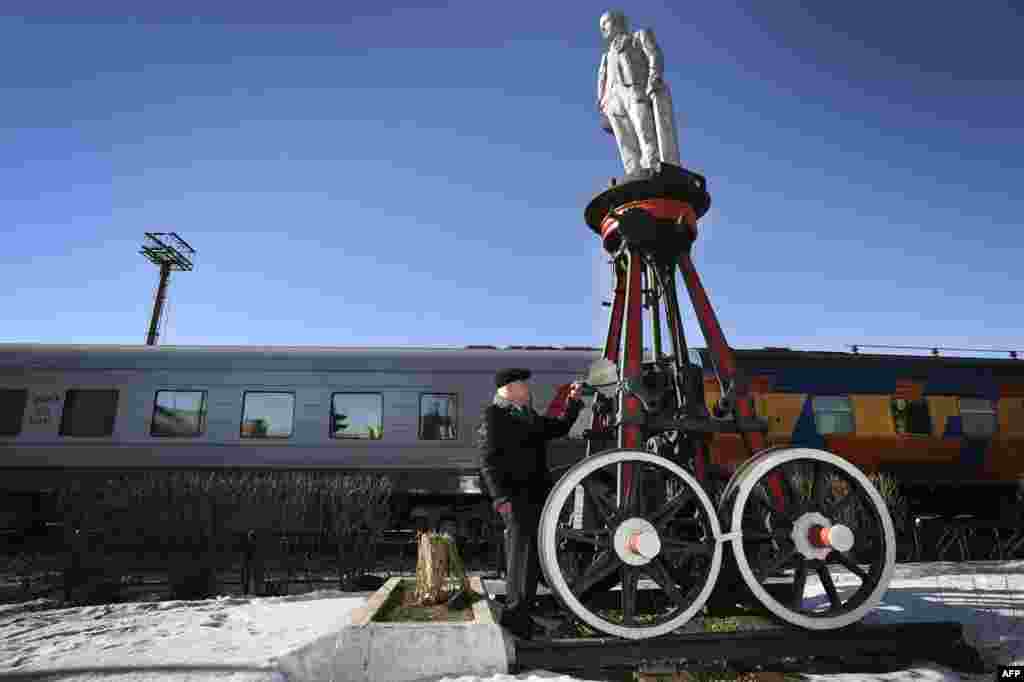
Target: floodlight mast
170 252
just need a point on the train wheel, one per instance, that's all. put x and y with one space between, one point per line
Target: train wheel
799 513
741 470
661 545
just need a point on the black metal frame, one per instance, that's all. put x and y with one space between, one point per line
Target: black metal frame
940 642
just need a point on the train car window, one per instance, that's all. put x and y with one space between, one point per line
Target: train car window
179 414
357 415
438 416
833 414
268 415
911 416
89 413
12 410
978 416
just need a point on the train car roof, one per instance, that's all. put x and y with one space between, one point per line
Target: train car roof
298 358
770 355
433 358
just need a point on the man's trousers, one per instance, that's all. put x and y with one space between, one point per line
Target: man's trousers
634 132
523 565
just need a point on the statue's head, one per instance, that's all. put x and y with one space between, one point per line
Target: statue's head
613 22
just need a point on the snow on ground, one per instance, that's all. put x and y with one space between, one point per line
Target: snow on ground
224 635
237 638
986 596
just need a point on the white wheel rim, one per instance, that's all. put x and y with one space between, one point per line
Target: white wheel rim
752 476
548 539
742 469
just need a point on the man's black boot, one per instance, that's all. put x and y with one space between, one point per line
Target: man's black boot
518 623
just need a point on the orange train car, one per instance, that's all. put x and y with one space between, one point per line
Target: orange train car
950 430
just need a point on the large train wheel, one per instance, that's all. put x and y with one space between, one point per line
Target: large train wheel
798 512
665 534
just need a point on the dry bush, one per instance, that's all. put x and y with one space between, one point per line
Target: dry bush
194 518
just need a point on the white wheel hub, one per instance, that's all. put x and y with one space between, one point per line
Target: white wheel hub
636 542
815 536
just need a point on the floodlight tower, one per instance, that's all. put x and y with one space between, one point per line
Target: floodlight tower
170 252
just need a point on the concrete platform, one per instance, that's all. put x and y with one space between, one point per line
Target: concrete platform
329 635
367 651
986 597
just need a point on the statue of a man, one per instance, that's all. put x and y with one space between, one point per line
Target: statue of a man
633 96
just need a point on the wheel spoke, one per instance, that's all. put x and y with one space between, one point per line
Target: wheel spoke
659 518
673 546
849 561
779 563
760 536
830 587
629 594
791 496
840 505
594 492
597 538
695 523
602 567
634 498
659 573
818 486
762 496
799 583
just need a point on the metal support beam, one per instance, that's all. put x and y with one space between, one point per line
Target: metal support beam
916 641
158 304
170 252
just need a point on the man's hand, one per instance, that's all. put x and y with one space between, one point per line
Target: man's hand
504 508
576 391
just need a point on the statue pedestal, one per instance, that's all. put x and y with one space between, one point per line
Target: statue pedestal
658 212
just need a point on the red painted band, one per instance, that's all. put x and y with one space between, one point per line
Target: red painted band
662 209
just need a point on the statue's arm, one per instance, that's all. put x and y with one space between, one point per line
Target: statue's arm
655 58
602 72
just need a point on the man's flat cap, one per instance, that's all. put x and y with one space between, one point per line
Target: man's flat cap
507 376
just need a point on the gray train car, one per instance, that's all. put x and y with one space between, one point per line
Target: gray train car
411 413
78 411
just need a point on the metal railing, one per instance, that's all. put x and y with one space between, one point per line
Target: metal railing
1014 354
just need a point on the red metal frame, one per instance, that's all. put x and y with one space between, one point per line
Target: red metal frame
612 341
627 324
632 357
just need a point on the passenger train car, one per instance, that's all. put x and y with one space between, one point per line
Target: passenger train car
950 429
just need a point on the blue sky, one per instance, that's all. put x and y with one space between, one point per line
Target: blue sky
377 173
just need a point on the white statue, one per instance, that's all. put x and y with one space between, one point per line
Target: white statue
634 98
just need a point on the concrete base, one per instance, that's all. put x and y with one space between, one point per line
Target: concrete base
367 651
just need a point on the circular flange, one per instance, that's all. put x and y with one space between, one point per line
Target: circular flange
801 530
673 182
636 541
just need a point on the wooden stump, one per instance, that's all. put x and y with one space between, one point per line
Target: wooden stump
439 571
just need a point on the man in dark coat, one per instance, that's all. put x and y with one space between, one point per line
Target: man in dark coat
514 468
